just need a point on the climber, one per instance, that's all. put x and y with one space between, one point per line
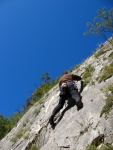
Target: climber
68 89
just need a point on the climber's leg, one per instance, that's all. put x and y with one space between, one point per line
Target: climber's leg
57 109
76 97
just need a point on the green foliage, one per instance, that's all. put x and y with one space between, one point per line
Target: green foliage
109 100
22 132
18 135
107 73
105 147
109 147
91 147
26 136
37 111
87 74
4 126
102 24
88 71
46 85
45 78
86 81
34 147
100 52
15 118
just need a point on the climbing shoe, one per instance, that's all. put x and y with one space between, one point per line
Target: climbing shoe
79 105
52 122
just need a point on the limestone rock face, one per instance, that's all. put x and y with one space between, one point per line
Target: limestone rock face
75 130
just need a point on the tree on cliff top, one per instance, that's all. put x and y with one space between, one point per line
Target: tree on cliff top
102 24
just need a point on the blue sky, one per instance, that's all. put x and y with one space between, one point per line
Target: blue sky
41 36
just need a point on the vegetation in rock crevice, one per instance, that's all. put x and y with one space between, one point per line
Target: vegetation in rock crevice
87 74
106 73
34 147
91 147
99 143
108 101
104 147
22 132
37 111
101 52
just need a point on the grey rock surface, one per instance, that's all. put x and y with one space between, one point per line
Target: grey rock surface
75 129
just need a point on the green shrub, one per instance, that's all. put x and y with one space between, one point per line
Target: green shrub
33 147
5 126
41 90
87 74
107 73
37 111
26 136
86 81
109 100
105 147
109 147
22 132
91 147
18 135
99 53
88 71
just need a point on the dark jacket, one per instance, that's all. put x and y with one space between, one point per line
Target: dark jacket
69 77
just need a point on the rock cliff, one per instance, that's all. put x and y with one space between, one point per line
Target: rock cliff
75 130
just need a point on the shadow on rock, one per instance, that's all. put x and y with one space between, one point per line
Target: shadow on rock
70 103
